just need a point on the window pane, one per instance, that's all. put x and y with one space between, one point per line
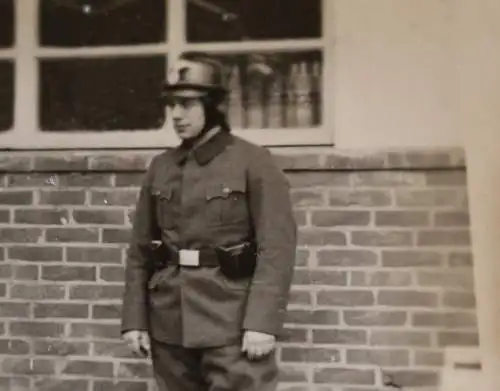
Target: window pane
102 94
6 95
6 23
288 96
102 22
257 20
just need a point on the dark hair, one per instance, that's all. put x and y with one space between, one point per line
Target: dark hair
213 115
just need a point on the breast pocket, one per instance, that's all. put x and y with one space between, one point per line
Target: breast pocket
227 203
164 205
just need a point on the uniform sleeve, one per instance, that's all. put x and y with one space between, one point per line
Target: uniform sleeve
276 236
144 229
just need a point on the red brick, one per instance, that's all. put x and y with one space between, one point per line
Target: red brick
53 384
99 217
374 318
357 198
464 300
446 320
451 219
112 349
307 198
460 259
448 279
340 336
127 162
61 197
14 346
319 179
346 298
411 258
37 292
96 292
344 376
35 253
402 218
330 218
35 180
19 197
378 357
106 311
61 348
443 238
407 298
41 216
86 180
88 368
294 335
98 255
20 235
318 237
17 384
106 385
320 277
25 272
36 329
346 258
68 273
26 366
61 310
129 179
292 374
309 355
429 198
69 235
414 377
9 163
135 370
61 163
446 178
381 238
456 338
14 310
388 178
4 216
112 273
380 278
314 317
429 358
400 338
112 235
114 197
95 330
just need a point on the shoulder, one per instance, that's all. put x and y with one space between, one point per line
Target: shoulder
257 154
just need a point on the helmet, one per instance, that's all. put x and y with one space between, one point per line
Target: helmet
195 75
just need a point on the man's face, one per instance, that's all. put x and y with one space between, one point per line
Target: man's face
188 115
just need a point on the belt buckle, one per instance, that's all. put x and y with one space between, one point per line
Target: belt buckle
189 258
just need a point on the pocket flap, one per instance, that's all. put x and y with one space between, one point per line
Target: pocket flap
162 192
225 189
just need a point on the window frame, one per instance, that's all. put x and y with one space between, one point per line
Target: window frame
25 133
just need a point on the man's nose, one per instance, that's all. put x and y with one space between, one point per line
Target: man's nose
177 111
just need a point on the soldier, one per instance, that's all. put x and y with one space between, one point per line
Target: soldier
212 253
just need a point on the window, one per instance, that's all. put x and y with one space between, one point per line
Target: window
89 73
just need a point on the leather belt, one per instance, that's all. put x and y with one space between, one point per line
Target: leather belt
193 258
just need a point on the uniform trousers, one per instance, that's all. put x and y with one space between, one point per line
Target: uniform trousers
225 368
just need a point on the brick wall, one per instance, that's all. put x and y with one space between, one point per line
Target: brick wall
383 281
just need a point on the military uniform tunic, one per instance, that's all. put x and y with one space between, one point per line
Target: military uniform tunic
225 192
